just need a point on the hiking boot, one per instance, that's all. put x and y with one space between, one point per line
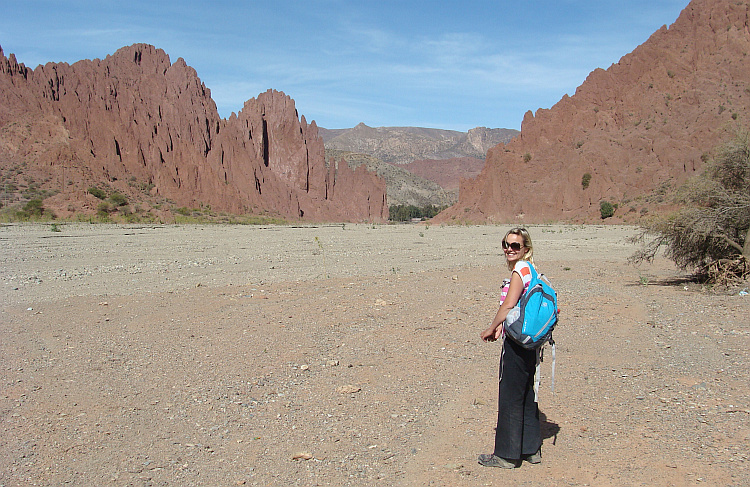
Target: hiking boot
534 457
490 460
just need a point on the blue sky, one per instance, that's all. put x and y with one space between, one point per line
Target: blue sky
452 65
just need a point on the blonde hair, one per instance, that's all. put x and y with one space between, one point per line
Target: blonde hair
524 234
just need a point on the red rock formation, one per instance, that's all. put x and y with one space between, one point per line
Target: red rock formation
137 122
641 126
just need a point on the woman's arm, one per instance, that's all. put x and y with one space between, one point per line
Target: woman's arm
515 290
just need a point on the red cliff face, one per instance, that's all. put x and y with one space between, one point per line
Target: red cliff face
644 125
149 129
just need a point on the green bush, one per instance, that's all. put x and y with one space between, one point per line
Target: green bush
99 193
606 209
585 180
118 199
103 209
32 209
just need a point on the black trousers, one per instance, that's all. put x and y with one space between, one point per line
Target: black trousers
519 431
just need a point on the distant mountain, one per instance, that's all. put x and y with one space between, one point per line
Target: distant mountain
446 172
629 134
402 145
421 166
402 186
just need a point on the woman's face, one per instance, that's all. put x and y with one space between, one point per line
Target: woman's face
511 254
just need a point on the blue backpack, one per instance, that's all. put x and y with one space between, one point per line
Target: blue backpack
531 322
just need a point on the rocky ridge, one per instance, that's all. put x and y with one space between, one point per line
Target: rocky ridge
402 145
137 124
638 129
421 166
447 172
403 186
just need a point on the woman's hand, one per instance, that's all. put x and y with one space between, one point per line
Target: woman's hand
491 334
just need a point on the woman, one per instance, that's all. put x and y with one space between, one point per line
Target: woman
518 435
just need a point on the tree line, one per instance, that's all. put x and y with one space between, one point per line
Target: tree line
405 213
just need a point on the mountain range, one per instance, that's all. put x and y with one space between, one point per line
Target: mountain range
143 134
141 126
421 166
402 145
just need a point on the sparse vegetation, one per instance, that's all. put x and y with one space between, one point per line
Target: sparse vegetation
103 209
32 209
527 157
606 209
321 251
711 233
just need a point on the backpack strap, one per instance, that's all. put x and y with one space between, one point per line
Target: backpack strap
539 360
537 373
534 272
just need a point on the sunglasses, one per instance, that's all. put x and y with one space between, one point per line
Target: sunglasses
515 246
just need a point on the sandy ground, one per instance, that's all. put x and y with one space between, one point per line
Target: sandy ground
350 355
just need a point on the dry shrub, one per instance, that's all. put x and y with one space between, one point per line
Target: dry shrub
710 234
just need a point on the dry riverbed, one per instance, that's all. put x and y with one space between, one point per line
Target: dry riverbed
349 355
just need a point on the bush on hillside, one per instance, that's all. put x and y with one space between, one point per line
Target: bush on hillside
99 193
586 180
118 199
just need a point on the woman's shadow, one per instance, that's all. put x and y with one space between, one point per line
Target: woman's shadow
549 429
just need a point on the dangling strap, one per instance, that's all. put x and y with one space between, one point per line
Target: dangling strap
553 364
537 373
539 352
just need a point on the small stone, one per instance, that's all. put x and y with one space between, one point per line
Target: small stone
302 456
348 389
